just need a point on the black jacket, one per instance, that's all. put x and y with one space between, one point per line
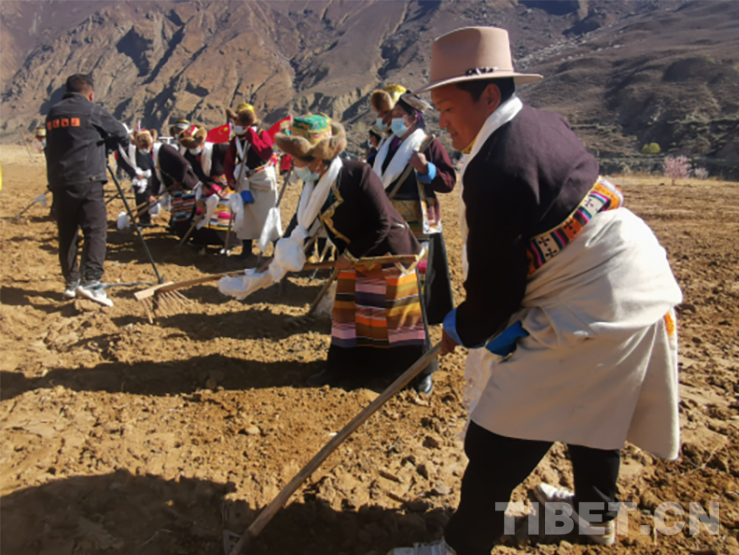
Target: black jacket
78 135
360 219
143 162
528 177
216 165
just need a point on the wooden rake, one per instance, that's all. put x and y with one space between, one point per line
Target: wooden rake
166 299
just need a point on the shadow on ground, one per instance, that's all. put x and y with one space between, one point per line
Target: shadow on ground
149 515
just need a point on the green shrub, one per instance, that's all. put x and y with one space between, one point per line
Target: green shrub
651 148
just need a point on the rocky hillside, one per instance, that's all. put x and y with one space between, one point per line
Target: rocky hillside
624 72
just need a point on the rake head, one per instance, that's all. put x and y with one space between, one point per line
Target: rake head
160 301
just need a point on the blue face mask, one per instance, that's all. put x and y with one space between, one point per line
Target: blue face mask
195 151
380 126
306 175
399 127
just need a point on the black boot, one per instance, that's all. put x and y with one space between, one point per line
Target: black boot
424 384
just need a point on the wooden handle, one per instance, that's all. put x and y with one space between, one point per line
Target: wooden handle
196 281
318 266
322 293
195 222
29 206
283 497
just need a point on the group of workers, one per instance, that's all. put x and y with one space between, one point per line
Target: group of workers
569 301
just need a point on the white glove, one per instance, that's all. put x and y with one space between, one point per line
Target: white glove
123 222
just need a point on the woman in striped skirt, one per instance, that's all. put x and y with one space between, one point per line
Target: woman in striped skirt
378 323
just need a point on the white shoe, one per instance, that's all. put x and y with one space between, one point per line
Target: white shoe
562 500
94 291
434 548
71 289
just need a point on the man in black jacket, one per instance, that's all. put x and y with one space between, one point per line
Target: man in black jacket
79 135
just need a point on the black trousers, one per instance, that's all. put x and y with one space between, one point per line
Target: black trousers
81 207
498 464
141 198
438 296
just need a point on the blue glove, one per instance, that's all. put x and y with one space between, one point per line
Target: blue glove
505 343
247 197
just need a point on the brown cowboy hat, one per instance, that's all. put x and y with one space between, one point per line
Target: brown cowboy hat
473 53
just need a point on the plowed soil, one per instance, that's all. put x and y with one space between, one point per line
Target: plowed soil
119 436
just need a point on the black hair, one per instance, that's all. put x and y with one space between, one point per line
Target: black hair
476 87
374 133
79 83
411 111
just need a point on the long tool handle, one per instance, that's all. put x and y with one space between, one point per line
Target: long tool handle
28 150
284 186
160 279
228 235
215 277
18 217
148 204
195 222
269 512
197 281
118 194
322 293
307 267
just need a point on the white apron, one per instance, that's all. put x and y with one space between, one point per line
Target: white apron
600 364
263 187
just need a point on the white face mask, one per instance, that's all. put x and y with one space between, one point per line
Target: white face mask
144 151
195 151
399 127
380 126
239 130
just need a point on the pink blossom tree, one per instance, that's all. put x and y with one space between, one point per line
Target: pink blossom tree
676 167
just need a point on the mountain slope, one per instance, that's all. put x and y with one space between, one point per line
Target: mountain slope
624 72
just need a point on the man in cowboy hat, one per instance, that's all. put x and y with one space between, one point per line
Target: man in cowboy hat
569 305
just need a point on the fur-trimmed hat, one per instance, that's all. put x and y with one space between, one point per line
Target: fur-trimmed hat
178 127
384 100
192 137
145 136
244 115
313 135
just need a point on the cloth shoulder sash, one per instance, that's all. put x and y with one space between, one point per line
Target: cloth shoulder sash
129 157
400 159
157 169
206 158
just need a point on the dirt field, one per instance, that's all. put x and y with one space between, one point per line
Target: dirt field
123 437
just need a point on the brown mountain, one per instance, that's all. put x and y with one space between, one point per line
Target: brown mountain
624 72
